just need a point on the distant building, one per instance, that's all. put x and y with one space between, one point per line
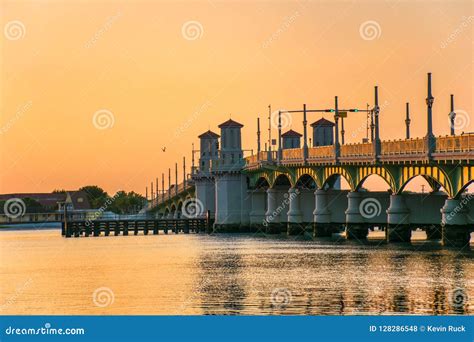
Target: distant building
76 200
291 139
323 132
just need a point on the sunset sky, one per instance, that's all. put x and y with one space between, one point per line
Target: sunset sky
166 71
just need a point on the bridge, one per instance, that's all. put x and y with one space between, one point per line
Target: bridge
296 188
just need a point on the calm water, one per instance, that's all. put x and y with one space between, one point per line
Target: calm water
42 273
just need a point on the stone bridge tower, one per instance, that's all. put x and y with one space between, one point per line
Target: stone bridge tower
232 204
202 176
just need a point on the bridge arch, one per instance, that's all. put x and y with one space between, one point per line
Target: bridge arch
332 171
364 173
282 179
306 181
262 183
463 188
434 173
308 171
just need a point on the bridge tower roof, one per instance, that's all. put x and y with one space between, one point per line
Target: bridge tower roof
230 123
209 135
322 122
291 133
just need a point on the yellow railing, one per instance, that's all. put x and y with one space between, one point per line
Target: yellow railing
262 157
459 143
251 160
321 152
292 154
356 150
410 146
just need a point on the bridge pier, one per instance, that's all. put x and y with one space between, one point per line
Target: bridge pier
398 217
231 191
295 217
455 232
272 218
355 226
434 232
322 226
257 215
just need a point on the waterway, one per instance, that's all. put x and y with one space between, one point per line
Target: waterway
43 273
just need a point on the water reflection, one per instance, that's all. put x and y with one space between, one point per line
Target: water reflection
322 277
222 288
232 274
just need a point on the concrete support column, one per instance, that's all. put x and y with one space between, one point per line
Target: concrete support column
355 226
272 218
322 216
257 214
398 217
454 223
295 217
245 211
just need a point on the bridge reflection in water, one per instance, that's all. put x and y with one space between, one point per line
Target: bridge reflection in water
297 277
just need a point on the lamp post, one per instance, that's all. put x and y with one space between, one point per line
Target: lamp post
430 141
452 116
305 135
407 121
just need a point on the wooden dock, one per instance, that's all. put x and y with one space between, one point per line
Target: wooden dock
135 226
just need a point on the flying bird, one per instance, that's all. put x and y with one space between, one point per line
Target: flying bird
163 149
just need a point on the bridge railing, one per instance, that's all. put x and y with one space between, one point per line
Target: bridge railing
261 157
399 147
403 147
357 150
458 143
292 154
171 192
321 152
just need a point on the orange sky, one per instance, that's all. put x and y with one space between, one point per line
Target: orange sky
73 58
